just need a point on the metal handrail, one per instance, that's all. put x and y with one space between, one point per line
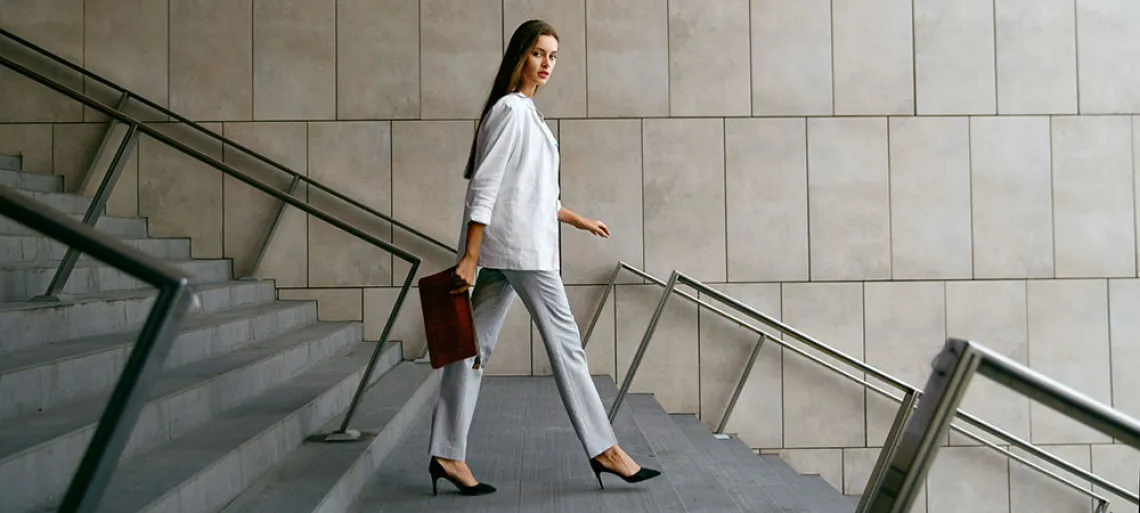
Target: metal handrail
343 433
793 333
294 175
137 379
915 442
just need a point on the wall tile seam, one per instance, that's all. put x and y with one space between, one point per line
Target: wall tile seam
601 118
1135 169
1077 54
1053 195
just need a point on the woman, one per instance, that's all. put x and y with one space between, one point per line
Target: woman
510 232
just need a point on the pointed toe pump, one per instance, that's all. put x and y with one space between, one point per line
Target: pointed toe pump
438 472
644 474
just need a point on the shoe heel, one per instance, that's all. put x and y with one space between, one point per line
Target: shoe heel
598 468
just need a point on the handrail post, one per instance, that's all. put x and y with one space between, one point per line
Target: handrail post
740 385
124 98
347 435
904 473
271 232
890 446
91 217
636 363
601 304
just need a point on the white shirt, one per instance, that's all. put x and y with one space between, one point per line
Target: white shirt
514 190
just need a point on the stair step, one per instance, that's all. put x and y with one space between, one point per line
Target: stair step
40 377
11 162
29 324
634 442
760 483
687 468
321 476
30 249
51 444
811 485
15 179
21 282
741 473
74 204
208 467
114 226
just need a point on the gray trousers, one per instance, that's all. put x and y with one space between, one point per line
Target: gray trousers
544 296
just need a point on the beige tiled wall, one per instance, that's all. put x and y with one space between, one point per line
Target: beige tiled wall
1036 56
1011 186
954 57
211 62
792 64
849 199
880 174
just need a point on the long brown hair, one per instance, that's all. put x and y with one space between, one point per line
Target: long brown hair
510 72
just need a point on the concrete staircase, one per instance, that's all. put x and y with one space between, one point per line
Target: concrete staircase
234 422
248 381
521 441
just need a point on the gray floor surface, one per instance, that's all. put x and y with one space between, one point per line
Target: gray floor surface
522 443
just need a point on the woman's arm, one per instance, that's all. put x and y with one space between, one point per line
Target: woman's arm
570 217
500 134
593 226
465 270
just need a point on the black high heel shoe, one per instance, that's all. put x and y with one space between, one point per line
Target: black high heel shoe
642 475
438 472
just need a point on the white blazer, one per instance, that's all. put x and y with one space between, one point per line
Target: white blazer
514 191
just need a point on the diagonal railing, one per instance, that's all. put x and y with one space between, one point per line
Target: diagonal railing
910 398
900 472
127 97
117 116
138 376
137 127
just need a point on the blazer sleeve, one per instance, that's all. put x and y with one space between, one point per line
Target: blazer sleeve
501 134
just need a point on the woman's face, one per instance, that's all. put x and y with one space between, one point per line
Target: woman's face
540 62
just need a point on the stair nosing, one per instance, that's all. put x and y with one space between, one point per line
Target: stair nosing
112 295
52 265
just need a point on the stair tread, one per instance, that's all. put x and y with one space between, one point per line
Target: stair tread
686 466
761 482
143 480
46 353
733 464
17 266
309 475
113 225
30 431
111 295
11 162
28 181
59 194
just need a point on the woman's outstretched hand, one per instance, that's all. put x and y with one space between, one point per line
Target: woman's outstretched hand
464 275
595 227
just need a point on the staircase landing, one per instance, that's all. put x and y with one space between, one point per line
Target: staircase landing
521 441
